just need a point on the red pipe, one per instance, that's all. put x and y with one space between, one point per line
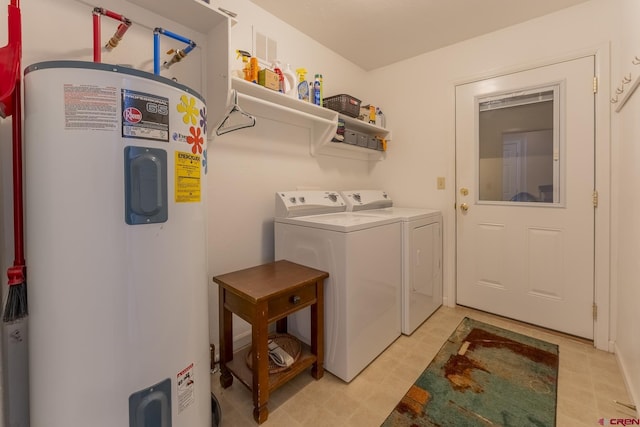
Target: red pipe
96 35
115 39
113 15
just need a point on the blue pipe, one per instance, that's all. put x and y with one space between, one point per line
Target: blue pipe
156 51
174 36
189 48
156 46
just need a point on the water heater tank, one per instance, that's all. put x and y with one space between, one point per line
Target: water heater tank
115 227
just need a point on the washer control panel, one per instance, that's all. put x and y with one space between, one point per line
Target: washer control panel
308 202
358 200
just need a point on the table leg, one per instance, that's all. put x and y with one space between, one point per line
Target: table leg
226 340
260 363
317 331
281 326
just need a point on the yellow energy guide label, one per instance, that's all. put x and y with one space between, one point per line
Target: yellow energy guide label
188 182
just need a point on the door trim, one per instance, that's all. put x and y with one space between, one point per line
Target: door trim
604 326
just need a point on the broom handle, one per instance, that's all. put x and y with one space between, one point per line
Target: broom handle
18 223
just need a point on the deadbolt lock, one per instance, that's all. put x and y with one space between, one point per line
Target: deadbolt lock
464 191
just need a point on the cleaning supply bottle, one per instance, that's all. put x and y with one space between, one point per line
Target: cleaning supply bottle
303 84
372 114
253 69
290 82
245 60
317 99
380 118
317 90
278 71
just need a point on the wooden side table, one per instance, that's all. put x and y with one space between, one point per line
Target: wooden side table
262 295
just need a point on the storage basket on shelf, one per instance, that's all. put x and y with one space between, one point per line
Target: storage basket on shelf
344 104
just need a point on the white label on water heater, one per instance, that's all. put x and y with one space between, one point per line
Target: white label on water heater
145 116
90 107
186 387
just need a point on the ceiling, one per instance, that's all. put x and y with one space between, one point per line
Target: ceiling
375 33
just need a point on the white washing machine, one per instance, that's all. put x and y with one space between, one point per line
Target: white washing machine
362 254
421 253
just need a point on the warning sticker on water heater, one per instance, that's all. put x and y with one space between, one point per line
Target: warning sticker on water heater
186 387
90 107
188 182
145 116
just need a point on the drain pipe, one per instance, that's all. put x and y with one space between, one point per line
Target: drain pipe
179 54
117 36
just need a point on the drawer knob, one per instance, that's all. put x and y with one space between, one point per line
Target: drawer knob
295 299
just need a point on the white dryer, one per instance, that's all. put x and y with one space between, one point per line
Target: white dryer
421 252
362 255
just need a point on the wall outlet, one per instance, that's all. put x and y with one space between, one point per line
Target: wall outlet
440 183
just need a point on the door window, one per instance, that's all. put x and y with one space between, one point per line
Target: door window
519 147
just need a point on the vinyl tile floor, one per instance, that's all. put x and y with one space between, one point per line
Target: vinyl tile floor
589 382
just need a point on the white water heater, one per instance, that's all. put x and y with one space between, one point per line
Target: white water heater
115 226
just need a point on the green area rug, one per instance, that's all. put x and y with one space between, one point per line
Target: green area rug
484 376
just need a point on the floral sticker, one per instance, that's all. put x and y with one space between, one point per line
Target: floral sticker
203 119
196 139
189 109
204 161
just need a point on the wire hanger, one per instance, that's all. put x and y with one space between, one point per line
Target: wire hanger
235 118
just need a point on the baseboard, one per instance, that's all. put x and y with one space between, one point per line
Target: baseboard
632 389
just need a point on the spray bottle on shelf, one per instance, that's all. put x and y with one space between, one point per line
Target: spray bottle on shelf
245 60
303 84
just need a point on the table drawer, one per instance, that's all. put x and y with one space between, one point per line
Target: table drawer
292 301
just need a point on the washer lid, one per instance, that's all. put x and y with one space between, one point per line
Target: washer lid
344 222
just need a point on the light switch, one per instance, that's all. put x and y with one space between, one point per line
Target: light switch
440 183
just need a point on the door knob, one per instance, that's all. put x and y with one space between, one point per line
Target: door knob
464 207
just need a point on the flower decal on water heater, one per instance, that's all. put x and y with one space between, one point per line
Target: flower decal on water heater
204 161
203 119
189 110
195 139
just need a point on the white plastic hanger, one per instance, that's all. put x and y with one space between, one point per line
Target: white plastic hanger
235 118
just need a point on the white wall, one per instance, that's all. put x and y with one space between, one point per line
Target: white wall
627 176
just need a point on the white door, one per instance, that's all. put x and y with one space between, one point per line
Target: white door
531 257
